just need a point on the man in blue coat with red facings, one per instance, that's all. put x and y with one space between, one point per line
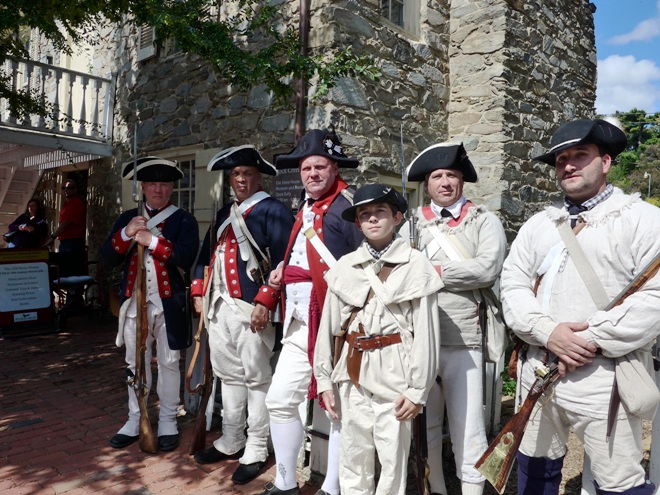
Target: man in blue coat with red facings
249 237
170 237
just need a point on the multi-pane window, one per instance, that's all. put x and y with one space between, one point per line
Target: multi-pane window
183 194
403 13
392 10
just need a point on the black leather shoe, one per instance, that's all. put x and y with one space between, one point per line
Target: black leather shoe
120 441
271 489
246 472
168 442
211 455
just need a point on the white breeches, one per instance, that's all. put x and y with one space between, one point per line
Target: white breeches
615 464
169 375
287 392
370 423
461 390
292 375
242 361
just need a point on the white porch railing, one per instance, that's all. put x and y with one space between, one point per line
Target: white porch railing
80 106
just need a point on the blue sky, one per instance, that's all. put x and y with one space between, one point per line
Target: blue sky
628 50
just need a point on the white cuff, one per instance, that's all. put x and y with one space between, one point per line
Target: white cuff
124 236
154 243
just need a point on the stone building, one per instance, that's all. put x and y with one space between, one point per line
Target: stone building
500 75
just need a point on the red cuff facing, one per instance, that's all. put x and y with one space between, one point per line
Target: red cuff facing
163 249
268 296
119 244
439 270
197 287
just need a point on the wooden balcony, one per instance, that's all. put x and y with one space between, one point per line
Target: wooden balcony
80 113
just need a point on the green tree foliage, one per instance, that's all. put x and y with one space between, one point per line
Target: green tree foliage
641 160
249 47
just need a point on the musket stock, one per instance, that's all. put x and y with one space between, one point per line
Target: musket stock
422 469
147 441
497 461
204 389
198 439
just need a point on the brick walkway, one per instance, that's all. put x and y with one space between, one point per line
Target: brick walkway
62 398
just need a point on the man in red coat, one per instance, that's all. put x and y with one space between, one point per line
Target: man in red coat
319 237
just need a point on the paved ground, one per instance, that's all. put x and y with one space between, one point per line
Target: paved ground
62 398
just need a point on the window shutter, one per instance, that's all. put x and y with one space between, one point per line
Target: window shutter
146 42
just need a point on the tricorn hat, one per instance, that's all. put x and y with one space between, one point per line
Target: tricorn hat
246 155
152 169
443 155
599 132
317 142
374 193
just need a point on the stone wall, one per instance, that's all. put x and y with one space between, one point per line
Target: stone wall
499 75
518 69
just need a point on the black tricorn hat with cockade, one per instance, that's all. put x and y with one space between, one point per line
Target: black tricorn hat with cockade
442 155
245 155
152 169
317 143
600 132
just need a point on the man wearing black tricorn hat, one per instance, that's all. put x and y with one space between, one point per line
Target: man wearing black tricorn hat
556 284
319 237
170 237
466 243
249 238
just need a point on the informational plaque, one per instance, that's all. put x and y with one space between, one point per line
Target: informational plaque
25 294
287 187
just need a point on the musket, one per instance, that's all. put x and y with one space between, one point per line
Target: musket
147 441
497 461
411 215
204 389
420 444
420 447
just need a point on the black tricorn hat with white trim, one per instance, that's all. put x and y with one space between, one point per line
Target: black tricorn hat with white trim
246 155
152 169
374 193
603 134
442 155
317 143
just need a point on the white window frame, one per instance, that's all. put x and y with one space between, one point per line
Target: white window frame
411 15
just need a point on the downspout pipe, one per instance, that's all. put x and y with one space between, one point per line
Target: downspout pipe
301 85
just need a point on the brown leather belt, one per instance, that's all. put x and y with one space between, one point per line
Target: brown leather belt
361 342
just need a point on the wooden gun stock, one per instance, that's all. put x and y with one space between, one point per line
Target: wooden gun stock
148 442
497 461
420 463
198 439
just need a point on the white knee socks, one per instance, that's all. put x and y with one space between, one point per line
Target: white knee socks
287 441
331 481
472 488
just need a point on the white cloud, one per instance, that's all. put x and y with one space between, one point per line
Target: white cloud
625 83
644 31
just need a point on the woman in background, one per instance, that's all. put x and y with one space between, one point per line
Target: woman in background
29 230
